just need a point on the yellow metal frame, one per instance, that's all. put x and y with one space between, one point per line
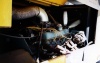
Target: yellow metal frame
5 13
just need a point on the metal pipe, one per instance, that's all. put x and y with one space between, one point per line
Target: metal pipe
30 11
43 15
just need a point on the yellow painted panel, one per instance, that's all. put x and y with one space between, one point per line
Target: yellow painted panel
50 2
39 2
5 13
60 2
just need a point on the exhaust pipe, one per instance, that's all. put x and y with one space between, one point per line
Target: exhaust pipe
30 11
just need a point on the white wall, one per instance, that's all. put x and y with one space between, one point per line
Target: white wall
97 37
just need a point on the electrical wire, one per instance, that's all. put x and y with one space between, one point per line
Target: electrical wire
39 47
38 28
55 22
15 36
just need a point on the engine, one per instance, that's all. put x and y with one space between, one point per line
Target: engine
53 42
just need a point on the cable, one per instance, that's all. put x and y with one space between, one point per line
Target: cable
55 22
15 36
39 46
